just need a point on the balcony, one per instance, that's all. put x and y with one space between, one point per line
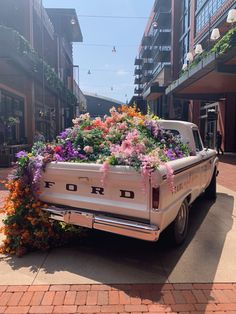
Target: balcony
138 91
146 53
162 54
16 50
67 48
147 66
137 80
146 78
162 37
138 61
42 15
162 5
163 19
137 71
146 41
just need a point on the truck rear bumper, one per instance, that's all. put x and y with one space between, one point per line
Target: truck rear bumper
100 222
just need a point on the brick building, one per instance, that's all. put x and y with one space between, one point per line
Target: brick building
202 74
36 71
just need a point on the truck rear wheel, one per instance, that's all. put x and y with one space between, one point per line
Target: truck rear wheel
179 227
210 192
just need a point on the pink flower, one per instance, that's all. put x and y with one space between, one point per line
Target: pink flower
88 149
122 126
170 176
104 169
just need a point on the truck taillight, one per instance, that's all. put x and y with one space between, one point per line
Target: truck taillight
155 197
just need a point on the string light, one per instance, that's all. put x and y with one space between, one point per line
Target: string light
105 45
102 70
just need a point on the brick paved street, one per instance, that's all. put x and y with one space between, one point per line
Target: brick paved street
227 175
181 298
135 299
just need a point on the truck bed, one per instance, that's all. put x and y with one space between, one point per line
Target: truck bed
80 186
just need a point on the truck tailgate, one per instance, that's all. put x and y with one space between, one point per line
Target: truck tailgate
79 186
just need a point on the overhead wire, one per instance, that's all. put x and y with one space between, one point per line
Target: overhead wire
113 16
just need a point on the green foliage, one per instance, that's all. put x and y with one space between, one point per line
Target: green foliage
227 42
24 49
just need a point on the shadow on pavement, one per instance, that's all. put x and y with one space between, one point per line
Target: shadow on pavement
115 260
228 159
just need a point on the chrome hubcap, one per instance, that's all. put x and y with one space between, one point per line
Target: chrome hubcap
181 219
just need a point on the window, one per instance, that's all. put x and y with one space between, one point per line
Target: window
205 9
197 141
173 132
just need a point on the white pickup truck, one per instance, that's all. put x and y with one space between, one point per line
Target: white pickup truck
75 195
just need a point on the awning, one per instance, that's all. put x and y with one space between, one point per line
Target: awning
65 21
211 78
154 92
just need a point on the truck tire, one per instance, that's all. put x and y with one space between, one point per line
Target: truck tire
210 192
179 227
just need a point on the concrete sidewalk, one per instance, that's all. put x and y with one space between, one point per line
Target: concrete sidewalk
107 273
104 258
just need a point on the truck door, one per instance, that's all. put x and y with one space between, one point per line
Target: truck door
204 166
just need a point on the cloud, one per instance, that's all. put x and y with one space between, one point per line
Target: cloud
122 72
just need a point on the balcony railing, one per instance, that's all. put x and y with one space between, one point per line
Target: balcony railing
161 54
16 48
162 37
137 81
146 53
146 41
162 5
137 71
42 14
138 91
148 66
163 19
147 78
138 61
68 49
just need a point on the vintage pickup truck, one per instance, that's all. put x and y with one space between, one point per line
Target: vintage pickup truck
75 195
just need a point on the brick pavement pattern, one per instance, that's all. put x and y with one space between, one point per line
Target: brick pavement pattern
211 298
135 299
227 172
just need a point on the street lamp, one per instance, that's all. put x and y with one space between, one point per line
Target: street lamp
231 18
189 57
185 66
198 49
215 34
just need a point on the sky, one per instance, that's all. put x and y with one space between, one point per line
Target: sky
112 73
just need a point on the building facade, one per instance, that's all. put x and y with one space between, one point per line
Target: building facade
153 63
202 86
99 106
36 71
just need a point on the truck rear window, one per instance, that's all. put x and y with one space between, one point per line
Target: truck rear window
173 132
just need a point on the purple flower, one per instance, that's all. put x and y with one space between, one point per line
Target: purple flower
153 126
170 154
21 154
63 135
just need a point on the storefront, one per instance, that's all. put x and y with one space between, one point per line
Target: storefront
12 127
12 119
210 86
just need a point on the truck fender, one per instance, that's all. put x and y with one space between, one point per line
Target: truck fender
171 212
214 170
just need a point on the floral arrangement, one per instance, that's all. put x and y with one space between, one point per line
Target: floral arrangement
125 137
